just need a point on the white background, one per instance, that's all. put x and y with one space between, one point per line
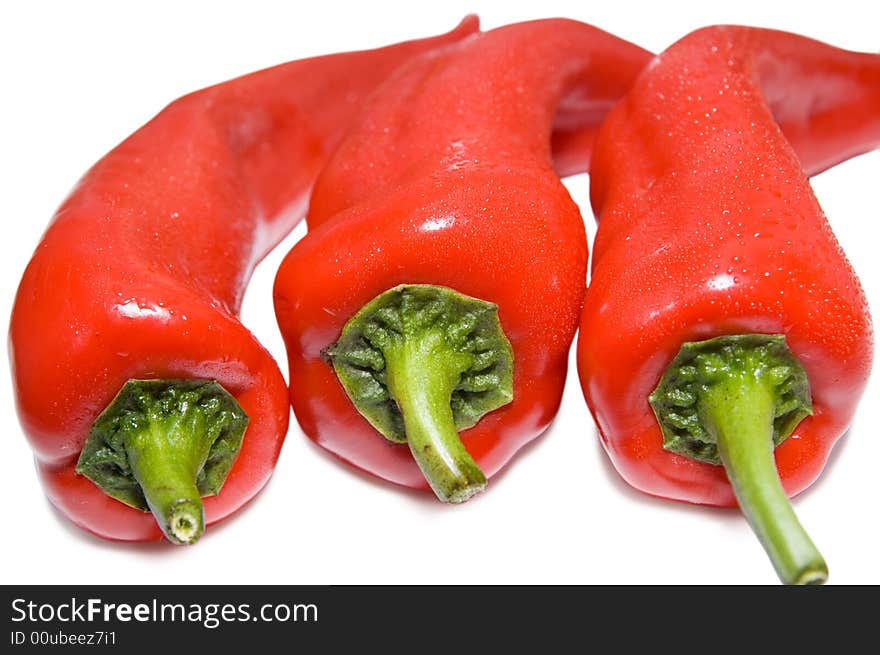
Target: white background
78 77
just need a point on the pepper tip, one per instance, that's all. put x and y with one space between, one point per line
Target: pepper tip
813 576
463 493
185 523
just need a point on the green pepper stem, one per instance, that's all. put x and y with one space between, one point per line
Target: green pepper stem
161 445
421 380
166 472
421 362
739 413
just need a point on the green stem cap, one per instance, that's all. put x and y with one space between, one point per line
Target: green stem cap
161 445
730 401
421 363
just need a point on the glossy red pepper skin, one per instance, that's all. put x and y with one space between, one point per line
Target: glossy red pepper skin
142 271
708 226
448 180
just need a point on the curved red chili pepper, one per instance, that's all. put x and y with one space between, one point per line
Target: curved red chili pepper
143 268
708 227
448 180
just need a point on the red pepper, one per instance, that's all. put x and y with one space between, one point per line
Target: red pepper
708 228
140 276
439 286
